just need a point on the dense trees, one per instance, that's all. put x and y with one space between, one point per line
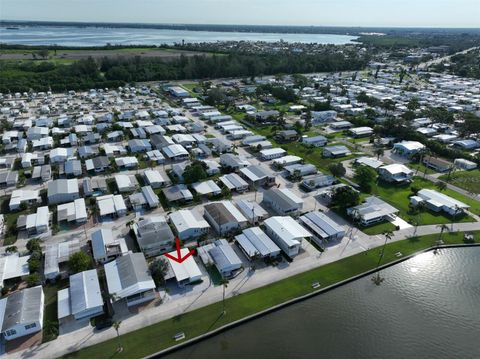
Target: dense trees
337 169
195 172
112 72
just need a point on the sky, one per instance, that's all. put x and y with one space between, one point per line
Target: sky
403 13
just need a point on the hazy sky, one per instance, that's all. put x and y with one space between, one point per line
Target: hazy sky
439 13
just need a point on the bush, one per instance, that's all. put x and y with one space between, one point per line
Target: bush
33 279
34 245
79 262
34 265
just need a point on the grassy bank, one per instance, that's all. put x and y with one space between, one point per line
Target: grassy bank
159 336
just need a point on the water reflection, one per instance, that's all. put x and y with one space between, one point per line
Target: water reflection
427 307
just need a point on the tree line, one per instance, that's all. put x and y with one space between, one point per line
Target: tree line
112 72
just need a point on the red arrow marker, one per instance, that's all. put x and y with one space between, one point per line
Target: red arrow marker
179 257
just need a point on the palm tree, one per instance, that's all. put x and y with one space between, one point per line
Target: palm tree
457 209
443 227
441 185
379 152
377 279
116 326
224 283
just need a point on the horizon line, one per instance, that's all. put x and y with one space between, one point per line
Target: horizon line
245 25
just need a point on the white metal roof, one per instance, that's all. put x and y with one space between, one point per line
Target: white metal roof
188 269
287 229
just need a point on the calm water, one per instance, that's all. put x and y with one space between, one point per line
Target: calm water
427 307
93 36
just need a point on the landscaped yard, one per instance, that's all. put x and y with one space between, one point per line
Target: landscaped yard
159 336
398 196
468 180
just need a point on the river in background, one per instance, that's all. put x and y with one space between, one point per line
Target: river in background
427 307
99 36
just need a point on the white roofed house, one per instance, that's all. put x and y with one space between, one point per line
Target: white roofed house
221 254
336 151
139 145
178 194
20 196
186 272
105 247
322 227
35 223
189 224
395 173
251 210
154 235
126 183
57 254
129 279
256 244
13 266
300 169
234 182
373 210
21 313
126 162
408 148
75 211
83 298
438 202
206 188
286 161
175 152
8 179
62 190
156 156
257 176
316 141
234 162
272 153
282 201
111 205
154 178
224 217
286 233
464 164
361 131
61 154
43 143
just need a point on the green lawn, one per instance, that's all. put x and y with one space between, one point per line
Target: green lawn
468 180
159 336
378 228
398 196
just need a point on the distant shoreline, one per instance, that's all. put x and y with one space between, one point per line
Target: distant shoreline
283 29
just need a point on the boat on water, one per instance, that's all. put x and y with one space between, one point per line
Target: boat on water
13 28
